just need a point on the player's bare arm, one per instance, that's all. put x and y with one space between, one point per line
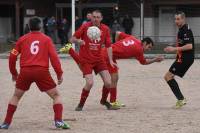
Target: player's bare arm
158 58
186 47
110 56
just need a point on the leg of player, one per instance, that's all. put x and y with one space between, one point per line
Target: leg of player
74 55
85 91
12 106
58 109
113 91
169 78
106 89
68 49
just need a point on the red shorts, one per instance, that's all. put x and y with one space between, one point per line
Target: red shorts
97 67
106 58
41 76
112 69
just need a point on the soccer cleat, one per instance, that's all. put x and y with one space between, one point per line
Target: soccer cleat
66 48
180 103
118 104
79 108
4 126
62 125
109 106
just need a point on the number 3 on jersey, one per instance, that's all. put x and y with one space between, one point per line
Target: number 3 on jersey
128 42
34 47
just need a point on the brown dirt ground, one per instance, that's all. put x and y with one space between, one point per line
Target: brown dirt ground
147 97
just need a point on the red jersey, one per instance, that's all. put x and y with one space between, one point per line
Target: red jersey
36 49
91 51
128 46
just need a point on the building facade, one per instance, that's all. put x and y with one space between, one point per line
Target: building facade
158 15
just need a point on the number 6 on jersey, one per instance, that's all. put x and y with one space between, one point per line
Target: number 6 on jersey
34 47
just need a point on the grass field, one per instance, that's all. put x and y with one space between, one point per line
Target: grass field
147 97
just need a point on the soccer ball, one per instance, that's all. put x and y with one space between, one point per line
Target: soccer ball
94 33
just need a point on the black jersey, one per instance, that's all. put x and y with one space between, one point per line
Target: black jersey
185 36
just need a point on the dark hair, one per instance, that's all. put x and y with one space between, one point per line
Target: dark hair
148 40
89 12
35 24
97 11
180 13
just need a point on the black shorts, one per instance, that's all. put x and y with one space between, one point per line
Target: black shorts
180 68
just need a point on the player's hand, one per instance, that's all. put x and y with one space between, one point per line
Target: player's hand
80 42
60 80
169 49
14 78
113 64
159 58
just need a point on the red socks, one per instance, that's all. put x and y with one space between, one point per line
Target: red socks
105 92
10 112
84 96
113 95
58 109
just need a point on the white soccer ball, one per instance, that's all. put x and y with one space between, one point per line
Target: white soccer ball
94 33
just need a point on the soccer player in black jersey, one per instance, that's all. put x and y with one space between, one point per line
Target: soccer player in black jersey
185 56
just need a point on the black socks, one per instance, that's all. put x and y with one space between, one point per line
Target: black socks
175 89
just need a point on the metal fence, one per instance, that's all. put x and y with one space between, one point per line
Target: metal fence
160 45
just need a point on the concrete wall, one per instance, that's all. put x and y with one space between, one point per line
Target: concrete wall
155 27
26 21
5 29
194 23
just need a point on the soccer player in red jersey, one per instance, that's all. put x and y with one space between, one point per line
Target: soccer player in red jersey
35 50
126 46
91 57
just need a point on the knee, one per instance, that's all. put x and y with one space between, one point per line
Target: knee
114 83
168 77
55 94
89 83
165 77
108 83
114 79
18 95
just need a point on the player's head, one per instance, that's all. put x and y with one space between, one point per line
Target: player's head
147 43
35 24
89 16
96 17
180 18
